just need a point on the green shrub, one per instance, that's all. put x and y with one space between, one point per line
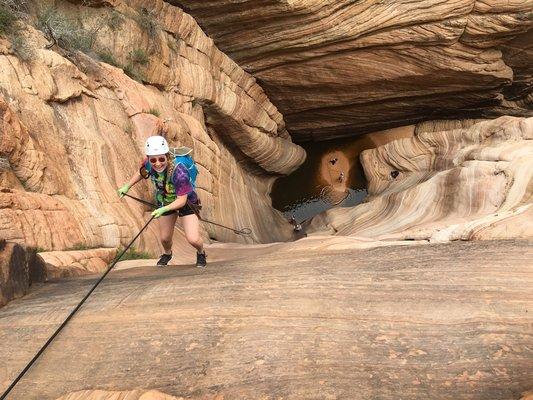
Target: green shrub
108 58
7 19
10 12
18 7
138 57
133 254
154 111
65 32
146 21
173 44
22 48
79 246
133 72
115 20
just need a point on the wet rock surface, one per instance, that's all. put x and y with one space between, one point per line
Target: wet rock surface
427 322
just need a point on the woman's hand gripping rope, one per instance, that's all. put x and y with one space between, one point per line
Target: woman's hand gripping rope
160 211
122 191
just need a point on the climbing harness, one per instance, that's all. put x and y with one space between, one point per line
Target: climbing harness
28 366
243 231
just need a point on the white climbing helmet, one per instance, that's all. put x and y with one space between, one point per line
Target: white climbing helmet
156 145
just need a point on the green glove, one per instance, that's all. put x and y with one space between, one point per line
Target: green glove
123 190
160 211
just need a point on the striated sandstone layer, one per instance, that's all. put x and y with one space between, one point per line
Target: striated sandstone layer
62 264
124 395
343 67
72 130
455 180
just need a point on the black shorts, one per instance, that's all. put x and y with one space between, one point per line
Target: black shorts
183 211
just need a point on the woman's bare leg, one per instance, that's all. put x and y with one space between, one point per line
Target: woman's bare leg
191 227
166 231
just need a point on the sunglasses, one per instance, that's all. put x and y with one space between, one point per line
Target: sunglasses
153 160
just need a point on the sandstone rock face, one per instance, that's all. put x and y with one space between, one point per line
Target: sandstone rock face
454 181
62 264
339 67
72 130
124 395
444 321
527 395
131 395
19 268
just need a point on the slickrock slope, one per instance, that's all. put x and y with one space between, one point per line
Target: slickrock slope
129 395
343 67
445 321
72 129
473 180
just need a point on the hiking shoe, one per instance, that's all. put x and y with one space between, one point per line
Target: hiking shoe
164 259
201 260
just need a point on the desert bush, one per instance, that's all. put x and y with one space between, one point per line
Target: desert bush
22 49
147 22
7 19
173 43
133 254
115 20
10 12
133 72
107 57
128 128
138 57
154 111
18 7
81 246
65 32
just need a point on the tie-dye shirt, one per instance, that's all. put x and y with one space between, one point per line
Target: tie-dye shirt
167 190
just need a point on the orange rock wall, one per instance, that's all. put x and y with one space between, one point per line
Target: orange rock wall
73 129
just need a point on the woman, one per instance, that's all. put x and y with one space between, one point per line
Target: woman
174 195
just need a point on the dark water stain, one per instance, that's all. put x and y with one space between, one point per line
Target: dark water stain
299 194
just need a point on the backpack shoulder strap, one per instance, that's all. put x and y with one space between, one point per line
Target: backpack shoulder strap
176 162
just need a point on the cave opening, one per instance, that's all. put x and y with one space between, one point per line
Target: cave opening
331 176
